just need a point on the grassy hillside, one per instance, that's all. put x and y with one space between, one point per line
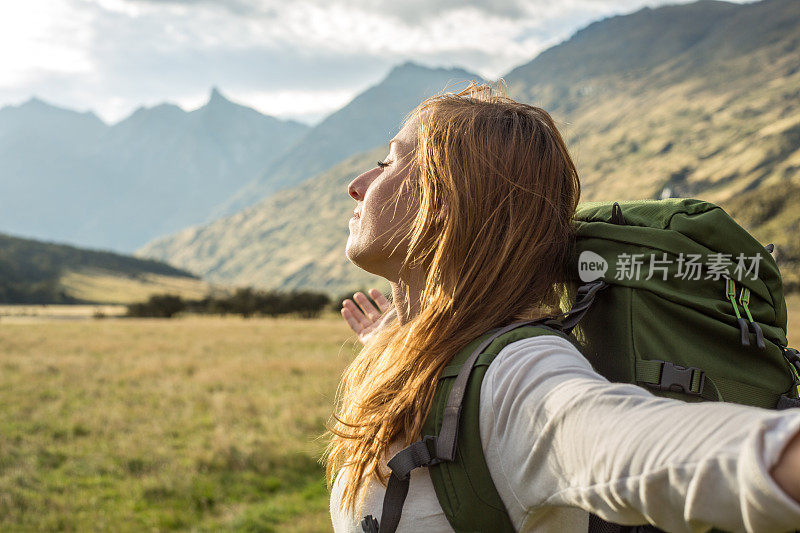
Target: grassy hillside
770 211
97 285
717 118
714 119
41 272
698 100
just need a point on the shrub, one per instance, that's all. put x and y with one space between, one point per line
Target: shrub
245 301
159 305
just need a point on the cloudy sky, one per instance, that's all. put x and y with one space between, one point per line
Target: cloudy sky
295 59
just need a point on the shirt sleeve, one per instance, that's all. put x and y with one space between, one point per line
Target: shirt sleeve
555 433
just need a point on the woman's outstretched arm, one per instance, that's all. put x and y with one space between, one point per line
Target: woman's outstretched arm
556 434
786 471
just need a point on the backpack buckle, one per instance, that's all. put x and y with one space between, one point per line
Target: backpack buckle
369 524
678 378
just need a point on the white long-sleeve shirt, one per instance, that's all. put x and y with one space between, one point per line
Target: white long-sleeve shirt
561 441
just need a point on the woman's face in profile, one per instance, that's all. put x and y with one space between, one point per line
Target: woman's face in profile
376 220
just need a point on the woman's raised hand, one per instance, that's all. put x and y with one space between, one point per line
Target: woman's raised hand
366 322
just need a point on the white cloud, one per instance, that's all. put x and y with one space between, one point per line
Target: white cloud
301 58
308 105
38 36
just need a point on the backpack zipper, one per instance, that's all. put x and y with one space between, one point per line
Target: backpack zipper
730 291
744 299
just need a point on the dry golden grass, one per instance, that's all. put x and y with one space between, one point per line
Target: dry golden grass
144 424
23 312
201 423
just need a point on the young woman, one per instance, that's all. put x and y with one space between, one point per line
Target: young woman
468 217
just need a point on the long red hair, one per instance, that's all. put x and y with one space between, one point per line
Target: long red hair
497 191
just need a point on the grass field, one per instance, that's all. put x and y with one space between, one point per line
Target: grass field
200 423
195 423
31 312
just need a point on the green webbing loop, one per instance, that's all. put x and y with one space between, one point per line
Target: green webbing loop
744 330
744 299
711 392
730 290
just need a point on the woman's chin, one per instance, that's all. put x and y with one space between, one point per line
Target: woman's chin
351 251
359 257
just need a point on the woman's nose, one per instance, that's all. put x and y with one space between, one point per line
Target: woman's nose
358 186
351 190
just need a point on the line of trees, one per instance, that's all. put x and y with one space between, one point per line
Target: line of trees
245 301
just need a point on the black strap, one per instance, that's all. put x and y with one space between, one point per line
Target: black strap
744 332
616 215
369 524
598 525
584 298
393 501
759 335
786 402
414 456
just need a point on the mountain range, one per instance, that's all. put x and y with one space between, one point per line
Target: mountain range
67 176
686 100
682 100
369 120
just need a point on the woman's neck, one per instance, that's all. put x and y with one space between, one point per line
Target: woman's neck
407 296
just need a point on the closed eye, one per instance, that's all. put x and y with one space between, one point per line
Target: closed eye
383 164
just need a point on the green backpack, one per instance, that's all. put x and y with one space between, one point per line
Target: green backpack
698 312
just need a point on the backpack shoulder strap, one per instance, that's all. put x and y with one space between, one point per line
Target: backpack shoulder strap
464 485
459 389
464 488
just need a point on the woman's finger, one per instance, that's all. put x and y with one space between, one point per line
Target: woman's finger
357 314
354 324
367 306
380 299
